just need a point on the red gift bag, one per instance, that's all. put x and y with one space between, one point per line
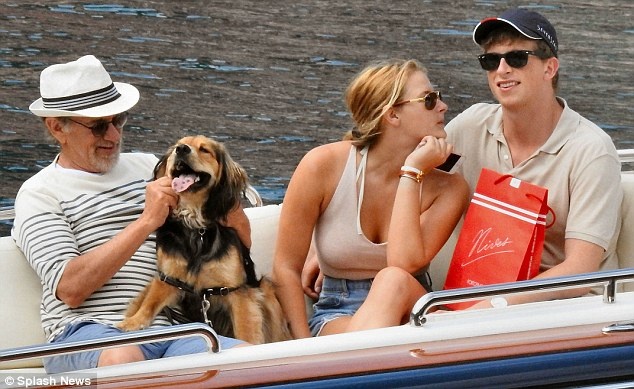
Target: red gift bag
502 236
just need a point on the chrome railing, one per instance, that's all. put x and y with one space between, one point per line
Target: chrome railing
124 339
253 196
7 213
619 327
626 155
608 279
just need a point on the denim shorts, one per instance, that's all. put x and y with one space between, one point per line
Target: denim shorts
338 298
85 330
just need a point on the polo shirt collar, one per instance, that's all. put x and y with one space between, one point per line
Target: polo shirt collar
564 129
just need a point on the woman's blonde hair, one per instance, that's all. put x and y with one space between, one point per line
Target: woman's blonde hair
372 92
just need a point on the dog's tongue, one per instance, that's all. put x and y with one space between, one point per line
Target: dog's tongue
183 182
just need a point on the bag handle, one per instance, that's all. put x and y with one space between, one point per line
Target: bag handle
502 178
550 210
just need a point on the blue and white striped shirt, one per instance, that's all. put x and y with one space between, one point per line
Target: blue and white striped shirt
61 214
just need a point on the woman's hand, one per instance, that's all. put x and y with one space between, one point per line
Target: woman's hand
429 153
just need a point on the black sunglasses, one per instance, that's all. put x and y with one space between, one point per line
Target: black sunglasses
515 59
100 128
430 100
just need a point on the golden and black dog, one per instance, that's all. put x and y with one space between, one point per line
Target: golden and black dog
202 262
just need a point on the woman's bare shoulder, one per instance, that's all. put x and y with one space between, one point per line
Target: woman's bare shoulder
328 155
318 173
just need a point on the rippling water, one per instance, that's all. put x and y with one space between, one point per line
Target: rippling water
267 77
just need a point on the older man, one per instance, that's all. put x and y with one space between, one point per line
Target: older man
86 222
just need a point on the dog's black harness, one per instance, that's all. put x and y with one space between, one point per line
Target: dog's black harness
204 293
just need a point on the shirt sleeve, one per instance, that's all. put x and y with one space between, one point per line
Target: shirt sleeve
43 234
595 201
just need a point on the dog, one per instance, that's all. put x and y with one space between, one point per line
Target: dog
204 268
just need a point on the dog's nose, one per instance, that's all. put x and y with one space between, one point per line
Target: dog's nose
182 150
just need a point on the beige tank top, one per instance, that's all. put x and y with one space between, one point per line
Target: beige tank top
342 248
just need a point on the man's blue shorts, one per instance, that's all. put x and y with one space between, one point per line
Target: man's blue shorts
85 330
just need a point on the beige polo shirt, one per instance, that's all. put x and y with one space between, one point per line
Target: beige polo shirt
578 164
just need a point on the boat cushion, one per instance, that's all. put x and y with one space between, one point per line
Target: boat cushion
20 301
264 221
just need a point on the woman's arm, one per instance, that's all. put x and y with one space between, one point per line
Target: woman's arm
300 210
419 228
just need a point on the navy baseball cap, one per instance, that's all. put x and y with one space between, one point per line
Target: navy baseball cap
530 24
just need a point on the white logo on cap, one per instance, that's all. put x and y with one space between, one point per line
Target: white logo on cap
547 35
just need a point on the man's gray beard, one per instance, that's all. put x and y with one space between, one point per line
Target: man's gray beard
106 165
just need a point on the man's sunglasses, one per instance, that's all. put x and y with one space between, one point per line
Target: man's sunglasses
429 99
515 59
100 128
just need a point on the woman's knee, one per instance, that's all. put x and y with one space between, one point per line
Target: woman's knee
116 356
392 277
394 291
396 284
388 283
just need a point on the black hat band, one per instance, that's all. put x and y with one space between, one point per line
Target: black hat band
83 100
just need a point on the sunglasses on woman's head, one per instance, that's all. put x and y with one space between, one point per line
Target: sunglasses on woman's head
100 128
515 59
430 100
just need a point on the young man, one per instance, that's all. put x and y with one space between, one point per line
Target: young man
86 222
533 135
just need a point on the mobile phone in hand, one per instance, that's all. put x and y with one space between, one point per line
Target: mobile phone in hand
451 164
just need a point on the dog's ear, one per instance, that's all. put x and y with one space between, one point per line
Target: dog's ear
161 166
236 177
232 182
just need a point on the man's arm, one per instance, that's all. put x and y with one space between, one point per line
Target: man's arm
90 271
581 257
238 220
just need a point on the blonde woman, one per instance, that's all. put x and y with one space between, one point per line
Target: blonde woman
378 209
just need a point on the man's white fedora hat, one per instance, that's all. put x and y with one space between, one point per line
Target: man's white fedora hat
82 88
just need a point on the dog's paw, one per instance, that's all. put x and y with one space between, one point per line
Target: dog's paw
130 324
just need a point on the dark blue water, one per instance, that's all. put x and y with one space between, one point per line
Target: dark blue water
267 78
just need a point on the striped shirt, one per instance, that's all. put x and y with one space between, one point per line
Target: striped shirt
61 214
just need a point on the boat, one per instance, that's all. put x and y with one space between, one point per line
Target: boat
579 342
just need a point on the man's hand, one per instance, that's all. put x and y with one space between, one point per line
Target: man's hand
160 199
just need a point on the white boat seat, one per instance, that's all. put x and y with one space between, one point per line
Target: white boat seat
21 289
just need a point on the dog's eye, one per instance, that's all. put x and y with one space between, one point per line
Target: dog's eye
205 150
